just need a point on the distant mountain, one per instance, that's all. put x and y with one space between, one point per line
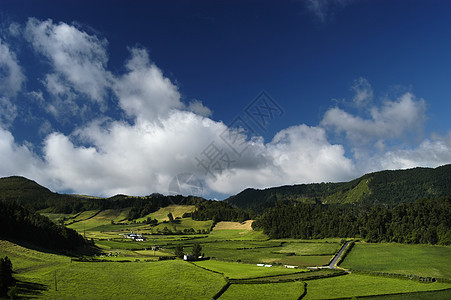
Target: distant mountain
385 187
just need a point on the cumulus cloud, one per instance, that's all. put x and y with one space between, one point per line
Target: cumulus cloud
143 91
163 136
392 120
19 159
11 76
77 58
434 151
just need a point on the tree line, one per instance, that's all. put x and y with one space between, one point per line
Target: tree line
423 221
17 223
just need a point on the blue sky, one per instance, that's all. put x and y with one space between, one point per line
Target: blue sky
111 97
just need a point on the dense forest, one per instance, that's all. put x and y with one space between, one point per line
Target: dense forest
380 188
19 224
423 221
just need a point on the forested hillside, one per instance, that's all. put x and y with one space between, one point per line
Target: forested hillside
34 197
19 224
423 221
386 188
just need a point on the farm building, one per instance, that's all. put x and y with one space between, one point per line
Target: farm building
188 257
134 236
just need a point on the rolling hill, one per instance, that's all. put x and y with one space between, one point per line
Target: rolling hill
385 187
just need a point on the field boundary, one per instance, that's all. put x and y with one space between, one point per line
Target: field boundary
403 276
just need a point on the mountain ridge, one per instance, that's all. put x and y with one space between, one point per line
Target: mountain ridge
388 187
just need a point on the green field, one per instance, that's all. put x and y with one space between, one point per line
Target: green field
421 260
36 272
287 290
353 285
241 271
175 210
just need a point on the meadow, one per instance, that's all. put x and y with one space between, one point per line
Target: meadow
241 271
36 272
354 285
286 290
421 260
133 270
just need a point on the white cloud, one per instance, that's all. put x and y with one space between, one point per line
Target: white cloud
78 59
363 92
11 76
18 159
197 107
144 92
8 112
431 152
393 119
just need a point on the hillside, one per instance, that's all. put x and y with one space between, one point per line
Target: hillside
384 187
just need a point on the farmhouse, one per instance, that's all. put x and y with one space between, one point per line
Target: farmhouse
134 236
188 257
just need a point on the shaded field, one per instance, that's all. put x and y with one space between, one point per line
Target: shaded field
241 271
422 260
287 290
354 285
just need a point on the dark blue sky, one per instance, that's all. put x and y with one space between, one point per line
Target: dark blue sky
310 56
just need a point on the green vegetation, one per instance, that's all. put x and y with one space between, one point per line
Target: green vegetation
287 290
240 270
87 280
420 260
423 221
353 285
385 187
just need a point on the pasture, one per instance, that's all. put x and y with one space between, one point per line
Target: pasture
36 272
421 260
287 290
242 271
354 285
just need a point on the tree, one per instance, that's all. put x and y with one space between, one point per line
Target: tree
171 218
179 251
6 275
197 250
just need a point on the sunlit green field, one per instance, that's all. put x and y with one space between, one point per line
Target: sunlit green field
239 270
353 285
421 260
108 280
287 291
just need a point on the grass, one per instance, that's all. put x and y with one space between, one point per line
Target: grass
306 261
287 290
241 271
175 210
436 295
310 248
177 279
236 234
354 285
421 260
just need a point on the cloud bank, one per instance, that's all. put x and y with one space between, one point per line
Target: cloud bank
133 131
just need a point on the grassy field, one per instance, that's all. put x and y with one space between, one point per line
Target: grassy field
177 279
175 210
421 260
241 271
310 248
287 290
353 285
